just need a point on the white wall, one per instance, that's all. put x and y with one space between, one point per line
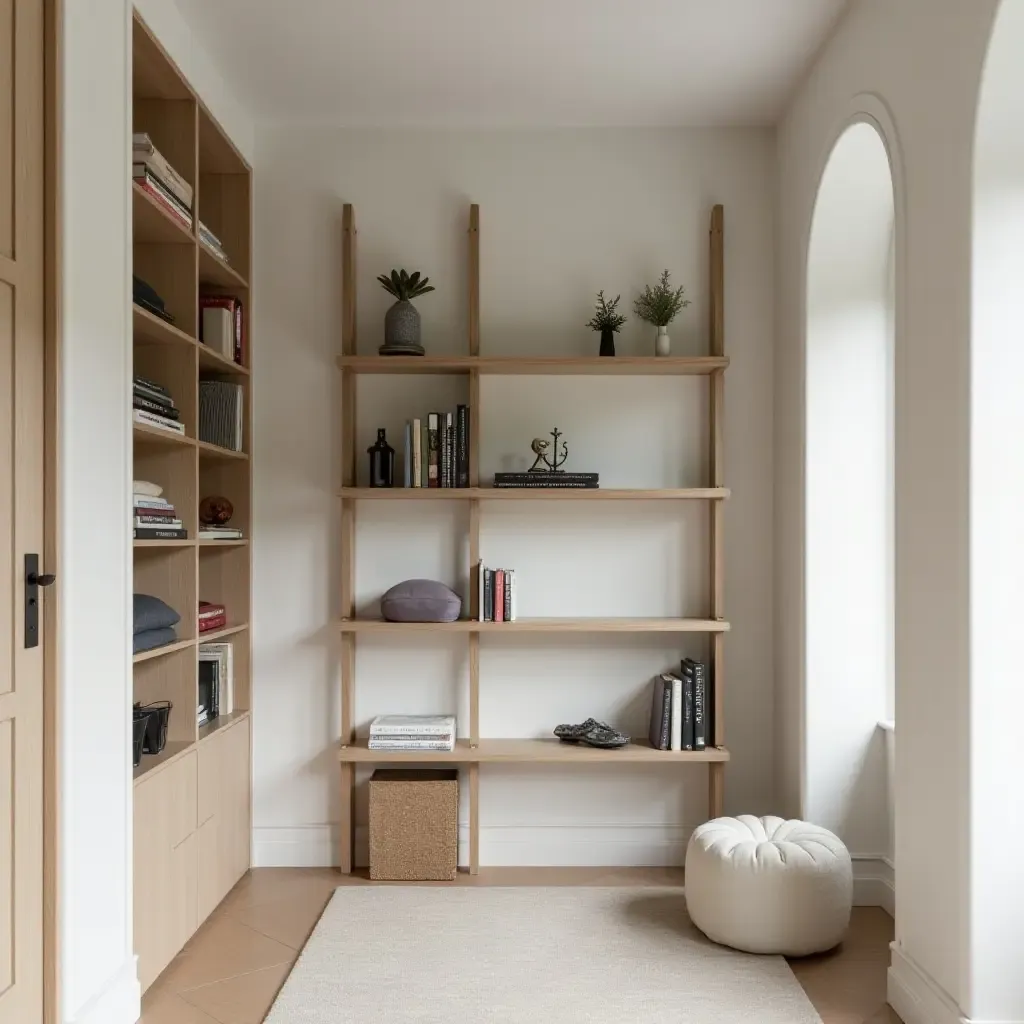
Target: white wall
563 213
98 977
916 66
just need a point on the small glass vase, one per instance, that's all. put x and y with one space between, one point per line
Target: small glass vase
382 462
662 343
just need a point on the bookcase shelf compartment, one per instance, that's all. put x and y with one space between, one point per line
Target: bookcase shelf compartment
152 224
651 366
222 634
530 751
215 451
214 363
219 724
161 652
145 435
150 329
534 494
216 272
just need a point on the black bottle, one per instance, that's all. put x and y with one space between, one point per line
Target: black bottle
382 462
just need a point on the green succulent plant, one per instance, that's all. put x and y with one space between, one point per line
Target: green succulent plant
606 315
661 304
405 286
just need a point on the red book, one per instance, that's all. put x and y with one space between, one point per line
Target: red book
229 302
499 595
165 204
217 622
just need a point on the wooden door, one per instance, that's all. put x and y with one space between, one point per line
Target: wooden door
21 508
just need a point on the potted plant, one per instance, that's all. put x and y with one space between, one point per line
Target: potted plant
607 319
659 306
402 320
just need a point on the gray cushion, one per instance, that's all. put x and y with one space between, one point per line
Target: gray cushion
420 601
150 612
151 638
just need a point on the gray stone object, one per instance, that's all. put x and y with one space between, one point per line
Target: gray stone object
420 601
402 330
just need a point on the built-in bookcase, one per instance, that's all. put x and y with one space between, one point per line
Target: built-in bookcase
192 801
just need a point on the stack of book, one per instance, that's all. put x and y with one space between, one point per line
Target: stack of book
152 404
158 179
221 325
586 481
211 616
209 532
216 680
221 418
156 519
681 709
212 242
437 452
496 594
413 732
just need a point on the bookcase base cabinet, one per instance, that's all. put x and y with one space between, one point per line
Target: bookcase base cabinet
192 828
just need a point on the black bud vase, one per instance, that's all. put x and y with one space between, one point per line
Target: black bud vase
607 342
382 462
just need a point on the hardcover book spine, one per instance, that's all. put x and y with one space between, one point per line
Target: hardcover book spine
665 739
481 573
417 454
449 433
154 420
156 533
499 595
424 457
154 160
506 603
165 203
513 601
677 714
407 456
161 410
488 595
462 446
152 385
433 451
688 711
699 715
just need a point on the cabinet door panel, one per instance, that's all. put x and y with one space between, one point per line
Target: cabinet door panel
181 809
154 897
210 760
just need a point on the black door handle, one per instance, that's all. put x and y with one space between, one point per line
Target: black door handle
46 580
33 581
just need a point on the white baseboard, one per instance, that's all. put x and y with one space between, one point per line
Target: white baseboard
578 845
916 996
874 882
118 1002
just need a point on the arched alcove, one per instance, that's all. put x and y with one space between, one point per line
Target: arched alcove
997 528
849 492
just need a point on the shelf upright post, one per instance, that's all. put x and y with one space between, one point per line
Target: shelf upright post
474 533
348 533
716 331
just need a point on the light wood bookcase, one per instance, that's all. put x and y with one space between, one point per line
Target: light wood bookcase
193 801
474 750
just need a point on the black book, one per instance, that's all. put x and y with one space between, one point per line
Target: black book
507 597
159 533
548 484
442 451
546 476
433 452
209 688
687 711
703 736
449 433
659 735
138 402
144 391
152 386
462 446
488 595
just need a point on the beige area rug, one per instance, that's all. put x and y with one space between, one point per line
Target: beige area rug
437 955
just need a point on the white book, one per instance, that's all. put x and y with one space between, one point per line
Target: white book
445 746
156 504
152 420
218 330
676 730
481 576
417 454
511 611
411 725
220 534
174 524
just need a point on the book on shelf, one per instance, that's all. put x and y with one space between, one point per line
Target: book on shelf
168 205
213 243
589 481
152 419
149 299
676 731
417 455
219 533
660 734
223 654
462 446
442 451
424 456
499 595
221 419
150 394
413 725
144 385
449 440
146 501
433 450
496 594
145 153
687 736
407 456
702 705
144 176
150 405
226 331
163 522
159 533
209 686
211 616
487 606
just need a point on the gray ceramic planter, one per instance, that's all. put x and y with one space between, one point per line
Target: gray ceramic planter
402 324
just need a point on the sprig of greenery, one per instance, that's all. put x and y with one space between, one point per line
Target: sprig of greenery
661 304
606 316
405 286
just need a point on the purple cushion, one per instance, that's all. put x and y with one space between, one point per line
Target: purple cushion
420 601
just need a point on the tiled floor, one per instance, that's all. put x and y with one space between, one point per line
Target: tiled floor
231 970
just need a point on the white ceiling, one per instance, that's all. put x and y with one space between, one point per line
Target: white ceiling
513 62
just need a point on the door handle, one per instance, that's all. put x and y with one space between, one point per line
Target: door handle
33 581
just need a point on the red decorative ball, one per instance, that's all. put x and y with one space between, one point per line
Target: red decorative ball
215 510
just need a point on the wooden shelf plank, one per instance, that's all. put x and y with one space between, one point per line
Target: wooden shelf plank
171 752
214 362
215 451
219 724
151 223
143 434
534 494
531 751
215 271
238 543
159 652
538 365
220 634
163 543
552 625
151 329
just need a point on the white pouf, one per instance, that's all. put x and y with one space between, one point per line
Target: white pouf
767 885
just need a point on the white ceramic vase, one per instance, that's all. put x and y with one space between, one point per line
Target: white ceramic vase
662 344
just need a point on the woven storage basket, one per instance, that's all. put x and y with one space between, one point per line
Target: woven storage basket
414 824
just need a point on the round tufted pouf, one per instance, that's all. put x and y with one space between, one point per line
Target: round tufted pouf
767 885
